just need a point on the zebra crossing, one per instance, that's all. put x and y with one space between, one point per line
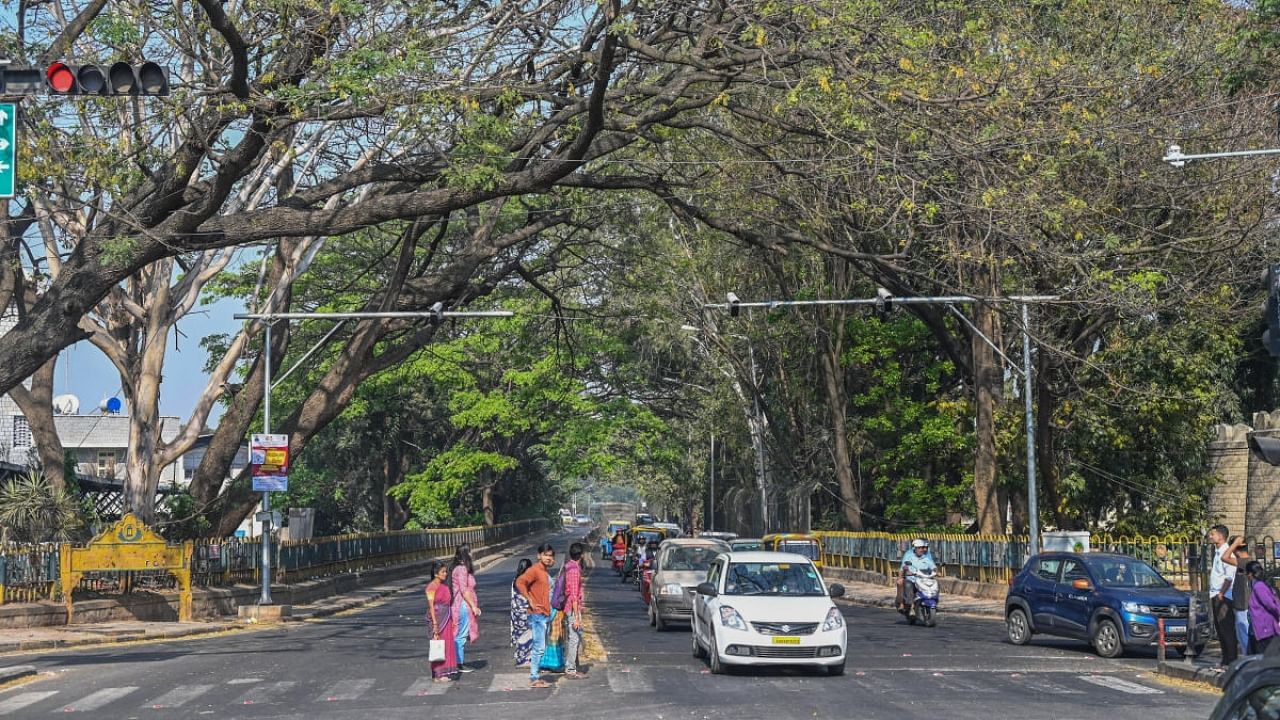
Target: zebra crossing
29 701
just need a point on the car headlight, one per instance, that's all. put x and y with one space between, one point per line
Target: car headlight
731 619
672 589
834 620
1133 607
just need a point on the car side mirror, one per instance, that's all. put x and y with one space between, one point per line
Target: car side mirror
1081 584
836 590
707 589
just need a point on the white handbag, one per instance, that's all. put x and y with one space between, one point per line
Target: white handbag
435 653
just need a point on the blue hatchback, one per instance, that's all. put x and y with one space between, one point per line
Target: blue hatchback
1112 601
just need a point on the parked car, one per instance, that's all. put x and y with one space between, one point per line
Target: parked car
668 588
1111 601
746 544
1251 689
767 608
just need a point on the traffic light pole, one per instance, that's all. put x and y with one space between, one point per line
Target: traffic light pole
884 301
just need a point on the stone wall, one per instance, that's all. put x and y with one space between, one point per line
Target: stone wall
1247 498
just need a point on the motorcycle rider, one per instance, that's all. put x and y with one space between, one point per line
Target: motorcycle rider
916 559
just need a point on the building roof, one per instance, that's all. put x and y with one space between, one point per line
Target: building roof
104 431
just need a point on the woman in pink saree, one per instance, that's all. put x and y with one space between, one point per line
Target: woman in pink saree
440 624
466 606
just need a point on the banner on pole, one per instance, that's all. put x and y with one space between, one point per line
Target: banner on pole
269 461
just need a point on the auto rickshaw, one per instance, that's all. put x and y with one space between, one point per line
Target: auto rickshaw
650 534
804 544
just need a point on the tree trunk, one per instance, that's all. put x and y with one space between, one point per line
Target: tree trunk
486 504
142 477
842 455
1046 441
986 392
36 404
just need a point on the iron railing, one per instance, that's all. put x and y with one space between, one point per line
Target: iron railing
30 573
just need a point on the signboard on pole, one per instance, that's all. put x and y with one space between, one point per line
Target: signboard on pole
8 149
269 461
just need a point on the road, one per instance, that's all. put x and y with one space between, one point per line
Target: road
372 663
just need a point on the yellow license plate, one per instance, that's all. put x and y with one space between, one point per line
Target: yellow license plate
786 641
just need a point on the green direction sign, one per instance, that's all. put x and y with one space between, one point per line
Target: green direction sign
8 149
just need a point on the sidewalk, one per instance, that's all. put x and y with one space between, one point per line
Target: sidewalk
24 640
873 595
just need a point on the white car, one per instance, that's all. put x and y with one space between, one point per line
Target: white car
768 608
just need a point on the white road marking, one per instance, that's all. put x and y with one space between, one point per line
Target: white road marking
1115 683
178 696
427 686
95 700
346 690
17 702
629 680
510 682
1037 685
263 693
961 683
243 681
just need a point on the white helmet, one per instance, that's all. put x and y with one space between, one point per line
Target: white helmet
919 543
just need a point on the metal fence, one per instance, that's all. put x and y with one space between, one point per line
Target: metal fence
984 558
997 558
30 572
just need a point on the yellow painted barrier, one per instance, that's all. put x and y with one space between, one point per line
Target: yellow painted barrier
127 546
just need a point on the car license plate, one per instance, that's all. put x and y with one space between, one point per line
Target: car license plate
786 641
1175 629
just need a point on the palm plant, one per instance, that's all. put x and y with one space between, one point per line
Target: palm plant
31 511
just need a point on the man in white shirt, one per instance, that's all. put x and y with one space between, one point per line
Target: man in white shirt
1220 577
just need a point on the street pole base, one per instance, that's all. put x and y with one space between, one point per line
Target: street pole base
265 613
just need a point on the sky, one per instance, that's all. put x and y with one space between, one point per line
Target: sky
87 374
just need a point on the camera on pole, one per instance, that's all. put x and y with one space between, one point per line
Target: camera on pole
734 302
437 313
121 78
884 302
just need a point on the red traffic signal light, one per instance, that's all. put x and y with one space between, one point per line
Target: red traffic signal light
61 79
121 78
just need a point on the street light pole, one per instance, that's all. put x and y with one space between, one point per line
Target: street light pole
265 599
1033 511
711 516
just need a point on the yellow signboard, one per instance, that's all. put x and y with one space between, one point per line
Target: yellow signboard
128 545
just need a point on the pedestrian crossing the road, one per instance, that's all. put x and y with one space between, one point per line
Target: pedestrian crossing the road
634 681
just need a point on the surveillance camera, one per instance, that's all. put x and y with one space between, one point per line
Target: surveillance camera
733 304
884 301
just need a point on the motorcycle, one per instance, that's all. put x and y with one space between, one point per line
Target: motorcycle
925 606
619 557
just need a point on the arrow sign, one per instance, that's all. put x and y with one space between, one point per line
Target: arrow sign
8 150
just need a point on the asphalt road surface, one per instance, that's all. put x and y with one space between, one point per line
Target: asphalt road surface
372 664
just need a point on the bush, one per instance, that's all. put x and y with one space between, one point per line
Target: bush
31 511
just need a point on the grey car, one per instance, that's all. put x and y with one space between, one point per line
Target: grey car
682 564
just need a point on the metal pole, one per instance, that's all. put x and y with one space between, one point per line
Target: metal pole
711 517
760 470
1033 512
266 496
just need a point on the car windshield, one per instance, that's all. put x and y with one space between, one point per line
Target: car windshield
807 548
790 579
687 559
1125 573
745 545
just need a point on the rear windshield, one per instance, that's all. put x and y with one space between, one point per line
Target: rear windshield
807 548
686 558
1125 573
745 545
792 579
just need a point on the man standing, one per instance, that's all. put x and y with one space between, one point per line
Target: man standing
573 597
535 586
1224 616
1238 555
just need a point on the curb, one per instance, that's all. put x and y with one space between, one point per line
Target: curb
16 672
1201 674
122 637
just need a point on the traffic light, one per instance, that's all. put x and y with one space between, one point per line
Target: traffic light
121 78
1271 312
1268 448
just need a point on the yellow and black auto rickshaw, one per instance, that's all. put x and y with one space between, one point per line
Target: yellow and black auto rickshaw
652 536
804 544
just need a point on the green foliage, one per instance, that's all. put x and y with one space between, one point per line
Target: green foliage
31 511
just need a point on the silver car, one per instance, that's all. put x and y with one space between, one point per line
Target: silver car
682 564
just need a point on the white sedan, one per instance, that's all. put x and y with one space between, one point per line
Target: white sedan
768 608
